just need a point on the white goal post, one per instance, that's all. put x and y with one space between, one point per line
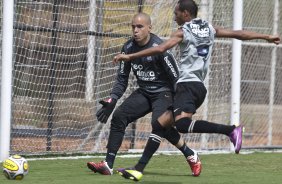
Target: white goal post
6 78
59 65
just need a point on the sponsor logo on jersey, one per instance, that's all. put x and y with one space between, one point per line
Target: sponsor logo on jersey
149 58
121 70
137 67
169 52
143 75
170 66
203 51
129 45
200 31
146 76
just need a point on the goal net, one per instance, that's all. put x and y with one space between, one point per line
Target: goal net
62 68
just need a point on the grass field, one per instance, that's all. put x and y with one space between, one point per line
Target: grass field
252 168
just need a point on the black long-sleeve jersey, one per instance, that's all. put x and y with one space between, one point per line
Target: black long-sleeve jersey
153 73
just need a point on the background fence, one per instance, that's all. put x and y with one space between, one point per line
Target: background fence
62 67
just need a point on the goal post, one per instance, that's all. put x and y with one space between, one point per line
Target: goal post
62 53
273 72
6 78
236 64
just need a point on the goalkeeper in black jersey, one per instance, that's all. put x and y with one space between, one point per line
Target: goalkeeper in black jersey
156 77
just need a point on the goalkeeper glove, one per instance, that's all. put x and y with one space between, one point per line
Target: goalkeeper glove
107 109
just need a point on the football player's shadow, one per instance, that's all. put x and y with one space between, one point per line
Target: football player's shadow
164 174
161 182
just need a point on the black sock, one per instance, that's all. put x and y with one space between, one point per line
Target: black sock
150 148
201 126
140 166
172 135
110 158
186 150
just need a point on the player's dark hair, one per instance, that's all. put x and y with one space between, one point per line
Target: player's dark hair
190 6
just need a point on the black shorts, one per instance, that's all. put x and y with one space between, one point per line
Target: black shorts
189 97
140 103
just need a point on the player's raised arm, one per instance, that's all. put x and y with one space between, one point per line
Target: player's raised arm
245 35
175 38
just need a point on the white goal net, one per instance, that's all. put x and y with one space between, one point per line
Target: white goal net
62 67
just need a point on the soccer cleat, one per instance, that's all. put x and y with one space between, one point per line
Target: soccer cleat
236 138
195 164
130 173
100 167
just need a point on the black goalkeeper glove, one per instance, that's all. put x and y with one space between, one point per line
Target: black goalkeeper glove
107 109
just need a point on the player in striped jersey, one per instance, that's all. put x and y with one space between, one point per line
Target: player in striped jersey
196 39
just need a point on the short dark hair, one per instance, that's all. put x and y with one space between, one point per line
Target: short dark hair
190 6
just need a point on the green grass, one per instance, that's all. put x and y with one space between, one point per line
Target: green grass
253 168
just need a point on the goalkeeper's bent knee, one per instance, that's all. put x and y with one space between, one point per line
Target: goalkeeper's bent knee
119 121
158 129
